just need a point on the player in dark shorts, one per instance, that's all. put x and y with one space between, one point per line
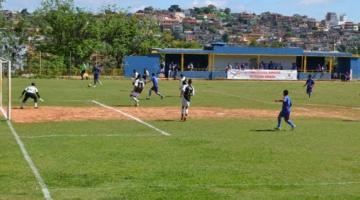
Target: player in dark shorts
139 85
186 93
155 86
285 111
30 92
310 83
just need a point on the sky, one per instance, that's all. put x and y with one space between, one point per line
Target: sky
312 8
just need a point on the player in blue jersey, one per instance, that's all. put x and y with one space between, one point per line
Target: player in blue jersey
155 86
285 111
310 83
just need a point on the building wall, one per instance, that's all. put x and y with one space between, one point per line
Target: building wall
355 68
139 63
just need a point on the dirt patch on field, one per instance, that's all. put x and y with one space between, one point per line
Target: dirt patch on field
50 114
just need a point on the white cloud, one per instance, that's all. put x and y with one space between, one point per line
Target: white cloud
312 2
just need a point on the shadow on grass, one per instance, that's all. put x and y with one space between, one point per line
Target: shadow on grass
264 130
350 120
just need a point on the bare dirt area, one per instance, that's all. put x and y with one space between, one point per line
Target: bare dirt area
57 114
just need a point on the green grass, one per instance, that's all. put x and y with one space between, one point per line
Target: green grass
202 159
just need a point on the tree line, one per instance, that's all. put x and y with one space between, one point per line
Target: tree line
69 36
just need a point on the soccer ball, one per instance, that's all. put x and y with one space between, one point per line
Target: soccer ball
89 85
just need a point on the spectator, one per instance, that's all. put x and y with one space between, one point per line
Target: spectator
190 66
271 65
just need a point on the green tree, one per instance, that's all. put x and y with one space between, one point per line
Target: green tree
174 8
66 30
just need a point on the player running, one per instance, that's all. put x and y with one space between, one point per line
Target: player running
310 83
285 111
186 93
139 85
30 92
155 87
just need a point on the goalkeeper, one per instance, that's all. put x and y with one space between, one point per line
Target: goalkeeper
30 92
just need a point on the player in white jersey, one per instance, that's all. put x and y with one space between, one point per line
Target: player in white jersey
182 82
139 85
30 92
186 93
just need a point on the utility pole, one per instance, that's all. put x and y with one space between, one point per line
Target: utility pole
40 63
70 65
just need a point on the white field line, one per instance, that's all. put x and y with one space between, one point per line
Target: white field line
132 117
31 164
83 135
319 184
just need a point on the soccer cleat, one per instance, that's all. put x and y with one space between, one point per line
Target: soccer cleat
21 107
36 107
293 128
162 97
277 129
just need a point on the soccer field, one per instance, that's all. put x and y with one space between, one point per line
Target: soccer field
226 150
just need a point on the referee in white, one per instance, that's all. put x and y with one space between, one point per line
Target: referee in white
30 92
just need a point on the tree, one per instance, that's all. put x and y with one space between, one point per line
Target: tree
66 30
174 8
149 9
225 38
227 11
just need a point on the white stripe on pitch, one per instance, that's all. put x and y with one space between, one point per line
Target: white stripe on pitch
132 117
28 159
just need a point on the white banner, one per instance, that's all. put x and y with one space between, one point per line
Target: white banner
262 74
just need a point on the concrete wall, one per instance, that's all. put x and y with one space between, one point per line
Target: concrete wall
355 68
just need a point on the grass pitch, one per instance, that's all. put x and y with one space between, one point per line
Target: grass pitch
202 159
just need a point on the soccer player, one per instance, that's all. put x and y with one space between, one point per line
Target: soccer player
139 85
182 82
285 111
155 86
30 92
186 93
146 74
135 74
96 71
310 83
83 68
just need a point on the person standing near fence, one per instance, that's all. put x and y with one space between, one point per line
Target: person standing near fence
83 69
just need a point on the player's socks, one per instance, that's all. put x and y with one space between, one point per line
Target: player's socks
293 126
36 105
279 123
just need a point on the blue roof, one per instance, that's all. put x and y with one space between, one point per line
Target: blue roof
255 51
258 51
327 54
184 51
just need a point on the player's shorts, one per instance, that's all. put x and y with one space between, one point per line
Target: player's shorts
308 90
30 95
135 94
155 89
285 115
185 103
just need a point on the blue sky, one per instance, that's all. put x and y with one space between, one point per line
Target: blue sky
312 8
